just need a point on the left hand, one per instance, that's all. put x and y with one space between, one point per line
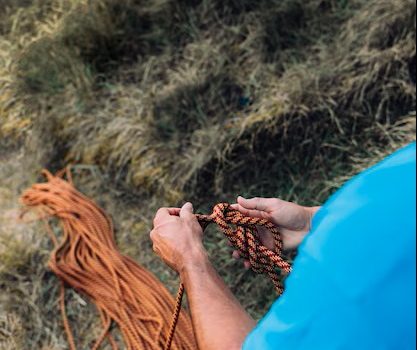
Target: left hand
177 237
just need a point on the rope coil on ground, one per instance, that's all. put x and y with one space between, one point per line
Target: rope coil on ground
87 259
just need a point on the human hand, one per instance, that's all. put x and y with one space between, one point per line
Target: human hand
177 237
293 220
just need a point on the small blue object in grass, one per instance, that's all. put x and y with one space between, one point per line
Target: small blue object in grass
244 101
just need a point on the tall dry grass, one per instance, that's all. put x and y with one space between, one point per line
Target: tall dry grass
161 101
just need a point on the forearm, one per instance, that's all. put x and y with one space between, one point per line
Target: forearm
220 322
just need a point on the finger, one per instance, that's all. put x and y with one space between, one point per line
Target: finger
247 265
168 212
236 255
165 213
262 204
187 211
152 235
155 249
251 213
161 214
174 211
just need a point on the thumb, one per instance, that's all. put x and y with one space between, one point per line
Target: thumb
187 210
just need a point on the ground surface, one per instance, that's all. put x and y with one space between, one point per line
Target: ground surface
156 102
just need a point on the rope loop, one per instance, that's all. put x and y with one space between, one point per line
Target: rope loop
242 232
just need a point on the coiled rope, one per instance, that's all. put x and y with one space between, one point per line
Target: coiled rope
125 293
87 259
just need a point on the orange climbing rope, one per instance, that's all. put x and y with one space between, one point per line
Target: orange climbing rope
242 232
125 293
87 259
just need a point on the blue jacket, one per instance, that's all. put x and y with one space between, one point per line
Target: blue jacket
354 281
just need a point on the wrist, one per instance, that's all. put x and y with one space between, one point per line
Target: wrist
195 259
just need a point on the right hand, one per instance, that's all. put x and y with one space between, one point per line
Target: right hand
293 220
178 237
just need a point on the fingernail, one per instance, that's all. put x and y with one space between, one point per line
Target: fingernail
189 205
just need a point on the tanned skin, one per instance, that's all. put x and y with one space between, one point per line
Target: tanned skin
219 320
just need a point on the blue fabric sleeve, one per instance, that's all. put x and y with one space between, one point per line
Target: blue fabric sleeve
354 281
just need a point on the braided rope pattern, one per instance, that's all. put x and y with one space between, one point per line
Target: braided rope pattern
242 232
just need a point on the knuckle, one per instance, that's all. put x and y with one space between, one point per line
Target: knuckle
153 235
157 215
159 212
256 202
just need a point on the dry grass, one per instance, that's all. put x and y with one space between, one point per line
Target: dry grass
161 101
